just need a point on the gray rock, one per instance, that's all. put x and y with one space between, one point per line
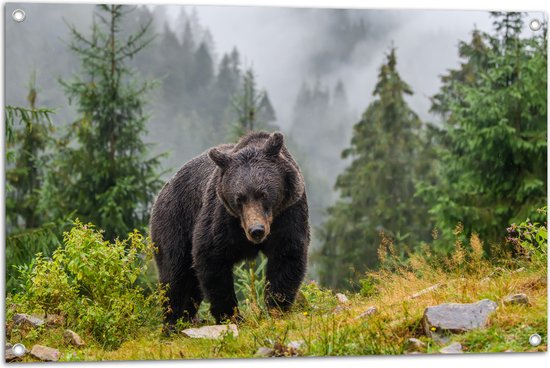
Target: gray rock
9 356
73 338
342 299
10 352
454 348
27 320
339 309
45 353
211 332
425 291
369 312
516 299
296 345
448 318
415 345
264 352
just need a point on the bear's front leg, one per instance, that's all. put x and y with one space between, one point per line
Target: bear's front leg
284 276
216 281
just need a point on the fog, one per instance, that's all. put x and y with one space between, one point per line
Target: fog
282 44
318 67
426 43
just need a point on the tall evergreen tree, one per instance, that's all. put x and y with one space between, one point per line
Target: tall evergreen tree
171 72
493 146
25 174
103 171
377 189
28 231
251 107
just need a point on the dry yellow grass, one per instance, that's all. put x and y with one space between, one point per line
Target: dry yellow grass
402 295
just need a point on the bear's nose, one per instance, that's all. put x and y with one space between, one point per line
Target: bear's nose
256 231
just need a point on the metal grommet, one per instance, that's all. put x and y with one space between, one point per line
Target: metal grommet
18 15
535 25
535 339
18 350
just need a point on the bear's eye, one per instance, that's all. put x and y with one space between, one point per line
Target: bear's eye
239 199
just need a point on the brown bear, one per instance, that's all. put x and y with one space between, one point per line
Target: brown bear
222 207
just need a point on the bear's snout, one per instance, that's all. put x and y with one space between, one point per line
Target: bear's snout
257 231
255 222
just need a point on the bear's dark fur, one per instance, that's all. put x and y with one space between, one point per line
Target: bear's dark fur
224 206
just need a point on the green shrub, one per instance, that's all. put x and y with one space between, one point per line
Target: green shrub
368 286
531 238
318 299
92 282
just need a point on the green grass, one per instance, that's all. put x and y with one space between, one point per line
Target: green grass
326 332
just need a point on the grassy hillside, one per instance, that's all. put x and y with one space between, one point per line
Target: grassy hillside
325 326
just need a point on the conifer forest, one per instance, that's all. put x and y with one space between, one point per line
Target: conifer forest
419 166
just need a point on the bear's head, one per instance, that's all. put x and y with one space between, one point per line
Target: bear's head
258 180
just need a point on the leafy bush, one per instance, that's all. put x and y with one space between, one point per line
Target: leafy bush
369 286
92 283
531 238
318 298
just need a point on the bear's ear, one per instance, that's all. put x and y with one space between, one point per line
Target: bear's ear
220 158
294 187
274 143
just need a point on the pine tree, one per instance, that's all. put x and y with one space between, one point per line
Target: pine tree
251 106
28 134
204 66
171 72
27 142
377 189
493 145
103 171
203 76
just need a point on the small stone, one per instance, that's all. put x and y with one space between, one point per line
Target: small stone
27 320
415 345
264 352
280 350
369 312
342 299
454 348
448 318
425 291
45 353
73 338
339 308
516 299
9 356
211 332
296 345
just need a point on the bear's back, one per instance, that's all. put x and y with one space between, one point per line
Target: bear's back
180 200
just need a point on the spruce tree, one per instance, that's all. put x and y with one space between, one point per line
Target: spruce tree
378 188
27 142
493 169
252 107
104 172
